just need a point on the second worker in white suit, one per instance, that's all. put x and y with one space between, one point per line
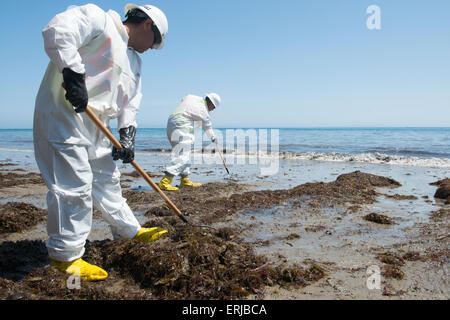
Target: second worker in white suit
181 132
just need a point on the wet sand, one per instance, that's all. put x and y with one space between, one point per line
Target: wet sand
279 237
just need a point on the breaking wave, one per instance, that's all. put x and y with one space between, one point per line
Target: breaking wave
376 158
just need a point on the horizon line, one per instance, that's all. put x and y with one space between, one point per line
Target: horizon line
289 127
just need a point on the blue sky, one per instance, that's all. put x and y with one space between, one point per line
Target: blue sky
287 63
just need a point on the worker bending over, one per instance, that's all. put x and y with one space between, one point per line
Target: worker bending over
95 54
181 134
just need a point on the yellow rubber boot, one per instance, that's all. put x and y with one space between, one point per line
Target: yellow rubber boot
86 271
165 184
150 234
186 182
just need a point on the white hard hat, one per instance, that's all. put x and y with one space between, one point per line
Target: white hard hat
215 98
158 17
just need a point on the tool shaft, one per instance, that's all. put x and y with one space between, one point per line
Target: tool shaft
221 156
117 144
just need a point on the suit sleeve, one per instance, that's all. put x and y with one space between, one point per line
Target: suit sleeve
200 113
127 115
69 31
207 126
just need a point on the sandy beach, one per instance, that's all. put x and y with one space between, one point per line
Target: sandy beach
314 230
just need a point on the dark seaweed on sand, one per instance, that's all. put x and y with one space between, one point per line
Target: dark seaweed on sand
19 216
198 265
190 263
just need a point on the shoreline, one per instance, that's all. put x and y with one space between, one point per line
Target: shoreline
332 236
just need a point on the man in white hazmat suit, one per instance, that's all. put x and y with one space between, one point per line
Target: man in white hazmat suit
95 54
181 133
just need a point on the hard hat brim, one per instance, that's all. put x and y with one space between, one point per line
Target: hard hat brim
131 6
215 101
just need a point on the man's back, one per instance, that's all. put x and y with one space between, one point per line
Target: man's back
112 69
192 108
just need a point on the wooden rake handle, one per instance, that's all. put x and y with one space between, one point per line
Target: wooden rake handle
118 146
223 161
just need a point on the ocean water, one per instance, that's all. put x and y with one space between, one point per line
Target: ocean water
415 157
429 147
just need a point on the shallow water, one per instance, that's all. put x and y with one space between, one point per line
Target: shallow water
287 173
331 234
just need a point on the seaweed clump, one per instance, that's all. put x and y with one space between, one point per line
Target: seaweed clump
443 191
19 216
12 179
392 261
391 258
197 264
392 272
352 188
412 256
378 218
190 264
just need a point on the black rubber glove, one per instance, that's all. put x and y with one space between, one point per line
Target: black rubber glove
76 91
127 137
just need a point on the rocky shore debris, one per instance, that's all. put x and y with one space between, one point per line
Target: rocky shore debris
378 218
443 191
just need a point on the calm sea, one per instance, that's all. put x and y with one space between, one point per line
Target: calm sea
406 143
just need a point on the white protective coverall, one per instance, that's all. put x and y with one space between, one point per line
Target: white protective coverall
181 126
73 156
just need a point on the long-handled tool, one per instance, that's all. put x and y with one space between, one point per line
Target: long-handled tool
223 161
138 168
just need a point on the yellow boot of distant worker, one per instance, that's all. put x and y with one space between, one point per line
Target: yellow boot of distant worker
165 184
186 182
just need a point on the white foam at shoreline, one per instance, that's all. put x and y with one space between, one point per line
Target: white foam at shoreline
16 150
373 158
